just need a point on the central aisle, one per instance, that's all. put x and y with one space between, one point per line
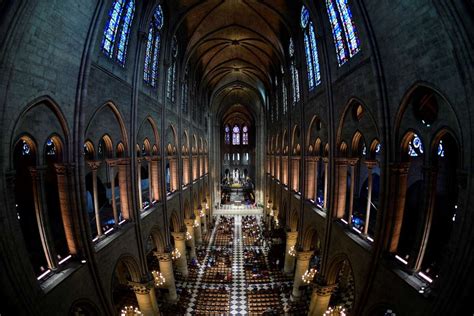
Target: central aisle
234 274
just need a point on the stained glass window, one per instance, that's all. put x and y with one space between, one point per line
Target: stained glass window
26 149
311 50
117 30
50 148
415 146
294 74
235 135
349 27
227 135
245 135
441 149
284 93
171 84
152 53
340 17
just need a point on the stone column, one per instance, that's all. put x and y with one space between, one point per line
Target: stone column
64 204
150 180
139 184
291 238
341 187
295 173
124 185
146 298
370 166
278 164
430 174
166 269
156 176
173 173
352 163
180 244
396 203
285 169
111 164
197 230
310 180
316 175
320 299
94 165
42 217
190 229
302 264
204 222
195 167
326 170
185 170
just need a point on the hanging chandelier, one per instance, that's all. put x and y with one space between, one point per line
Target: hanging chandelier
159 279
175 254
292 251
130 311
335 311
308 276
188 236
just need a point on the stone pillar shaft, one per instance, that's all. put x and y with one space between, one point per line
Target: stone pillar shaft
291 238
326 170
370 165
191 244
180 244
156 176
320 299
139 180
310 180
166 269
341 187
146 298
123 185
64 203
396 203
302 264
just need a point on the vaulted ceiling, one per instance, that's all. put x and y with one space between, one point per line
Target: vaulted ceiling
235 46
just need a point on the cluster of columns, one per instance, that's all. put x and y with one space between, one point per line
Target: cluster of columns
154 178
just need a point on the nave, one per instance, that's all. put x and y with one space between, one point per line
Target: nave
234 274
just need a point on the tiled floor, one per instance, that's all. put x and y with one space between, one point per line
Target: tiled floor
238 289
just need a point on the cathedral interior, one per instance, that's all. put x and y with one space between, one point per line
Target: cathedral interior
236 157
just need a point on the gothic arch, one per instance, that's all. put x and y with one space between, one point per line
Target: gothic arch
159 241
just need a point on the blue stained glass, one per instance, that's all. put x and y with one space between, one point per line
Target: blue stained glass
291 48
415 146
295 82
125 34
156 57
236 135
50 147
158 17
111 28
336 33
349 27
149 47
378 148
440 149
304 17
25 149
309 63
314 51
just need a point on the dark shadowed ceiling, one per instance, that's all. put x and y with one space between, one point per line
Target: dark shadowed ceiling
235 46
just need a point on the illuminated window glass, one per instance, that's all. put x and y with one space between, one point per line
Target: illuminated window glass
50 148
245 135
441 149
343 28
117 30
171 80
415 146
152 53
227 135
294 74
236 135
311 50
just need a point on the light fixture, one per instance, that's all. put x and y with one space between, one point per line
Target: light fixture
188 236
292 251
175 254
308 276
335 311
130 311
159 279
196 224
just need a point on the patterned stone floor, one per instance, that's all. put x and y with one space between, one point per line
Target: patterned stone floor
238 290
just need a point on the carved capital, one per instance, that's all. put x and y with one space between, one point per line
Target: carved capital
400 167
60 168
178 235
352 161
370 164
140 288
189 222
162 256
94 164
291 235
324 290
325 160
304 255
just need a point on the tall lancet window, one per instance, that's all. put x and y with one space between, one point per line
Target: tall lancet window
295 82
245 135
284 93
171 84
117 30
236 135
311 50
152 54
344 31
227 135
